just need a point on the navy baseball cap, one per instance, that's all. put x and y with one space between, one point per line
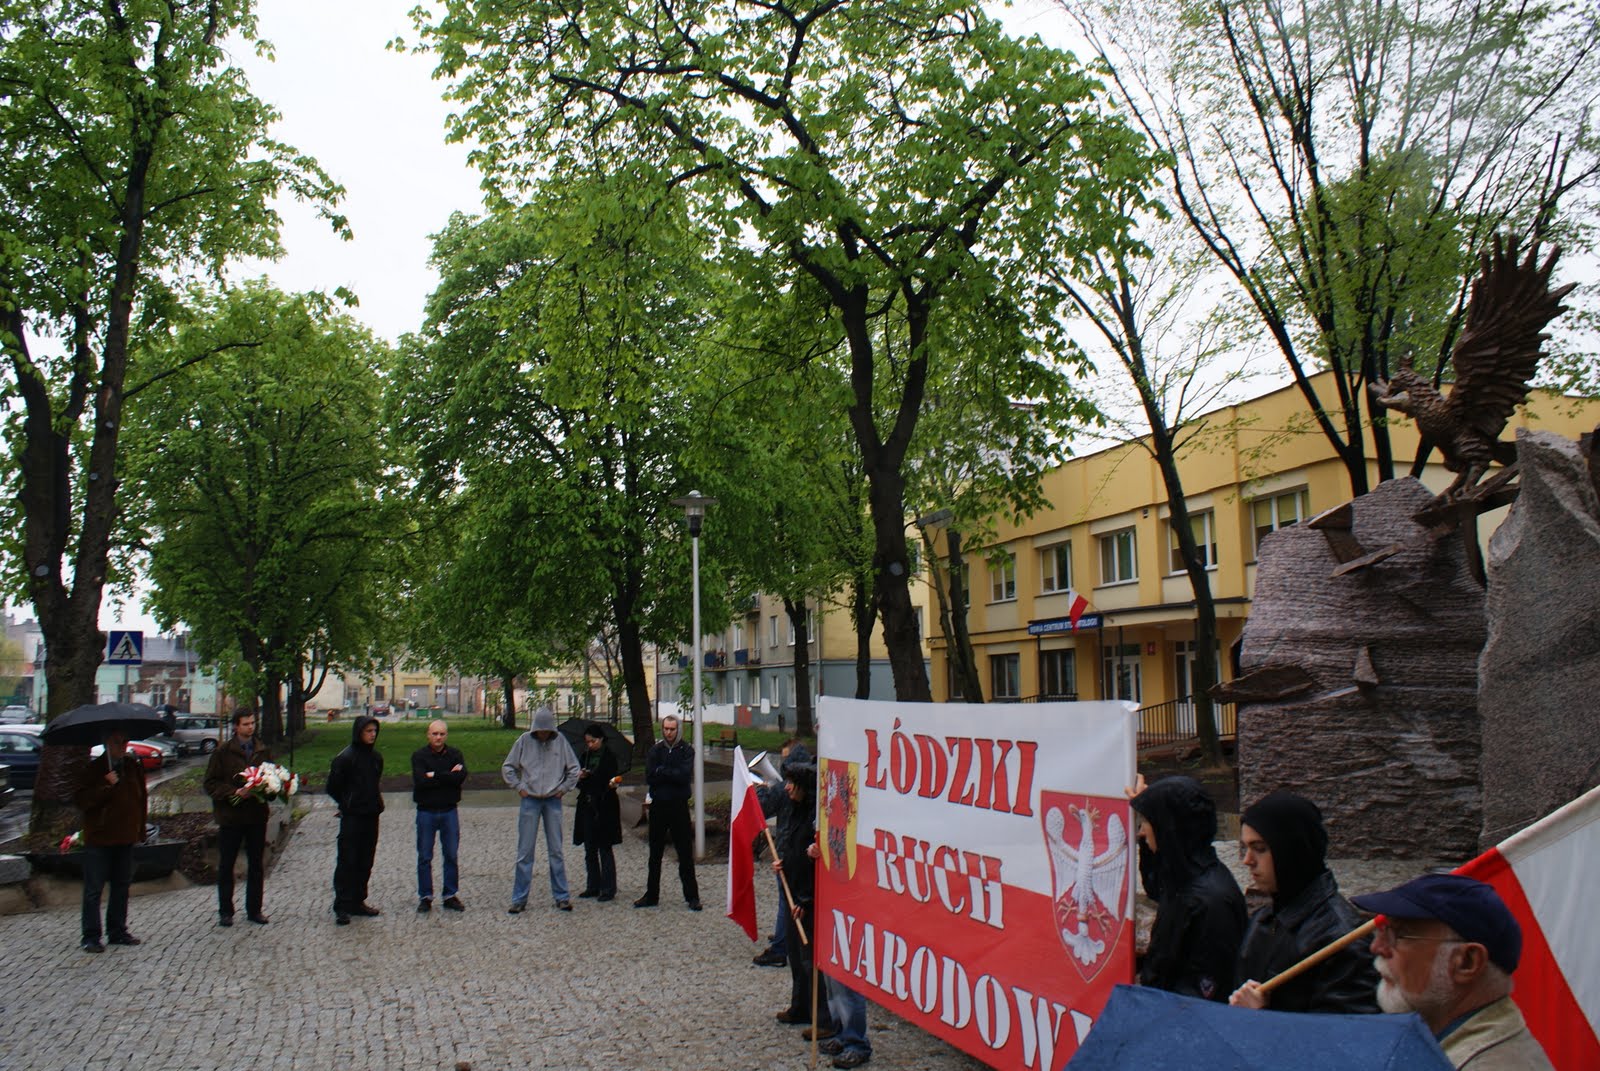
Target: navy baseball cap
1471 908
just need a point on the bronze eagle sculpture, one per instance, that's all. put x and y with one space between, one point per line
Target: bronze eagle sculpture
1494 359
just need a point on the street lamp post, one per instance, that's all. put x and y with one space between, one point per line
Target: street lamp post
694 511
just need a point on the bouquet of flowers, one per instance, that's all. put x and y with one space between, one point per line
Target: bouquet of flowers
267 781
71 842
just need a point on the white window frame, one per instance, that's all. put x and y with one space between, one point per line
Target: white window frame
772 630
1010 680
1055 568
1003 579
1206 537
1112 565
1298 498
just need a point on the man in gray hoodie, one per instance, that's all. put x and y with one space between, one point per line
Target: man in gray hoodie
541 767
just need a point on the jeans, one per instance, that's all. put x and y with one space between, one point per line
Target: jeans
447 825
528 818
112 864
671 821
778 946
253 838
357 846
849 1010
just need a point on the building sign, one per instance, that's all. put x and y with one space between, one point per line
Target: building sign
1063 624
976 873
125 648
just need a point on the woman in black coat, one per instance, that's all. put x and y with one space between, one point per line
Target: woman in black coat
1200 912
799 871
597 820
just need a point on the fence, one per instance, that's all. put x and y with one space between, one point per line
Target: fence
1173 722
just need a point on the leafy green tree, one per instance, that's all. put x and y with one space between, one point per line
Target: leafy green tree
897 155
1345 164
262 471
547 392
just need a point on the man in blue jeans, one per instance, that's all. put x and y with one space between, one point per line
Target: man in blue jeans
541 767
437 773
849 1046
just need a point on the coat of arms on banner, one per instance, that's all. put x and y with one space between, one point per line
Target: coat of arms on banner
1088 846
839 787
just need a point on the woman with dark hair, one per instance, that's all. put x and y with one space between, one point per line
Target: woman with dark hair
597 819
799 870
1284 844
1200 914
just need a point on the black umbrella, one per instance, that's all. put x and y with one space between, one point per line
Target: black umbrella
619 745
86 725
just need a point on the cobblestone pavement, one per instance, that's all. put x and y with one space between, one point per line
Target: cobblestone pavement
606 986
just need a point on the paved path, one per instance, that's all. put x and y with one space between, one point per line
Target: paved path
605 987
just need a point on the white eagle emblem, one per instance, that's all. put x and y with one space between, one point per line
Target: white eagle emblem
1088 882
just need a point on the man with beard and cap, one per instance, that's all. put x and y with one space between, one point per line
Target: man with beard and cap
354 780
1446 947
1284 845
542 768
1200 912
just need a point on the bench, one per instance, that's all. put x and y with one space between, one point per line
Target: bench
728 738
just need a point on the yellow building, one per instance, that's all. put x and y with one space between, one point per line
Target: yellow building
1258 466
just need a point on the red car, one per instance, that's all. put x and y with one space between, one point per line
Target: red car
149 756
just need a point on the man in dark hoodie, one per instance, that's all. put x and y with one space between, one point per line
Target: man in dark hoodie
353 782
1284 845
1200 914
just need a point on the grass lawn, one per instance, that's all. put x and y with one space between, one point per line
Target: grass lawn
482 741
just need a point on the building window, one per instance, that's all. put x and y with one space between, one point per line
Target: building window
158 695
1055 568
955 681
1117 557
1058 674
772 630
1005 676
1003 578
377 692
1122 678
1203 526
738 635
1271 512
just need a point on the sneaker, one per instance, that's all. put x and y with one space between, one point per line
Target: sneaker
259 919
851 1058
517 908
831 1047
563 905
646 901
341 919
694 905
825 1032
770 958
124 939
424 906
453 903
93 946
367 910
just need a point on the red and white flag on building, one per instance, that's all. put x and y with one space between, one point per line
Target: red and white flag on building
744 827
1547 874
1076 605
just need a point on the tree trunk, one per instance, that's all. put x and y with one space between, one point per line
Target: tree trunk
863 611
508 682
637 685
269 717
804 716
963 660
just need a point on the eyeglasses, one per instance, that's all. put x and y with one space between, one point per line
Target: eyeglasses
1390 933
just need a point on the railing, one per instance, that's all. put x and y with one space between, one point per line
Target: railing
1173 722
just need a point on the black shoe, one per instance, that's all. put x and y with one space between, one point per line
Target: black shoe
341 919
93 946
453 903
225 920
517 908
124 939
770 958
588 894
830 1046
793 1018
367 910
563 905
694 905
259 919
646 901
424 906
606 897
851 1058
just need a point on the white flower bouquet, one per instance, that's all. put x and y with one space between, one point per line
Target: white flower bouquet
268 781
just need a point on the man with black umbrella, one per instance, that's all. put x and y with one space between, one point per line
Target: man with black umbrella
111 794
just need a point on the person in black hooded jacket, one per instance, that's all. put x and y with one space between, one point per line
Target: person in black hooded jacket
1285 845
799 871
354 783
1200 913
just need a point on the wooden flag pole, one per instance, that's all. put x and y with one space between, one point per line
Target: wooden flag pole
1320 954
787 895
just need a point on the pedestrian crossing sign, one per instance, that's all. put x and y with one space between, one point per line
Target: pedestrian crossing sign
125 648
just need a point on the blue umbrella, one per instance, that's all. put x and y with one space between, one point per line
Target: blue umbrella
1152 1030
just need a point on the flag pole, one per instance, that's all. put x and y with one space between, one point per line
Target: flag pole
1321 954
787 895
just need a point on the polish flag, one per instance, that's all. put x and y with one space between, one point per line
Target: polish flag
743 828
1547 875
1076 605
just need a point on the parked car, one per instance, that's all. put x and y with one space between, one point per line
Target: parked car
169 748
197 732
20 749
150 756
380 710
15 714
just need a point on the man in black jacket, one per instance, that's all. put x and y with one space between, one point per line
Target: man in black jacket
241 818
669 775
437 773
353 782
